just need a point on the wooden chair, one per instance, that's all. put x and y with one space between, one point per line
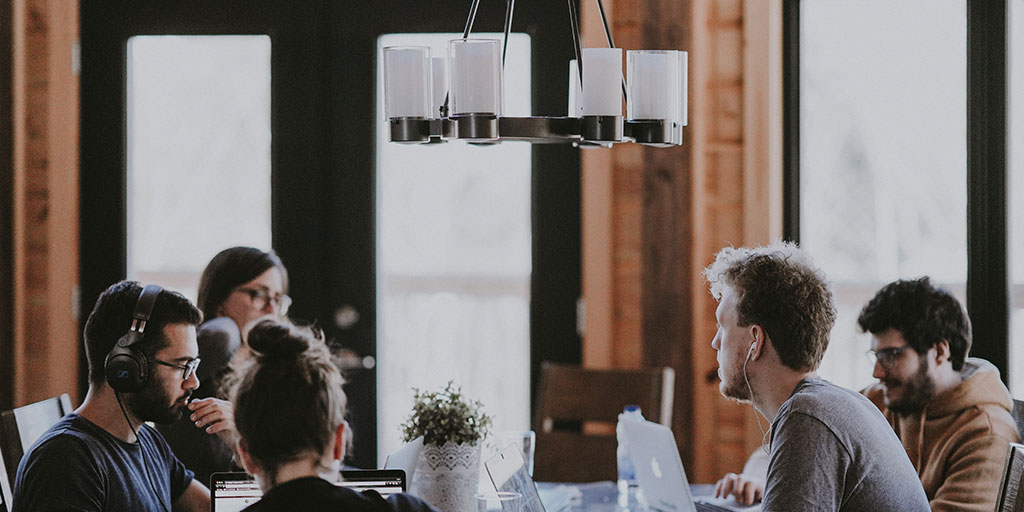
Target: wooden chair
21 427
1010 499
6 484
577 409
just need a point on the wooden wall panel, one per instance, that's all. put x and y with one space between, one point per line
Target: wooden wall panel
45 349
672 209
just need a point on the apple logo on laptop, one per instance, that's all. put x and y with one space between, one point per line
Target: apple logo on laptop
655 468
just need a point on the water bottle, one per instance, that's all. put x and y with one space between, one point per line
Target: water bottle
628 490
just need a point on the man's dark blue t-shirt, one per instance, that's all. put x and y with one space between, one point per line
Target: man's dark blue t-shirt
76 465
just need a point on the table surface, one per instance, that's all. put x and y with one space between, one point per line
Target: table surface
601 496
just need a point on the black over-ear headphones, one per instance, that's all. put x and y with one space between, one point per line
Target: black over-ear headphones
127 370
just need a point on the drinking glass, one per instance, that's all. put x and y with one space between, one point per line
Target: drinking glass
503 501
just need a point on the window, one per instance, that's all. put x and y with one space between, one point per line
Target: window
1015 197
883 187
198 153
454 263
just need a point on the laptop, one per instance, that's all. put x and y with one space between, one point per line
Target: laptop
232 492
660 473
405 458
508 472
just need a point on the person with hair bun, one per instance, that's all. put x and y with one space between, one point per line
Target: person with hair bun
289 409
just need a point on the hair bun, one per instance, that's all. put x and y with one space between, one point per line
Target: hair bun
274 339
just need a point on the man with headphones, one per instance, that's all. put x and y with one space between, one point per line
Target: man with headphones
830 448
142 353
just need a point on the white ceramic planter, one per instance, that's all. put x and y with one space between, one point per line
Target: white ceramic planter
447 476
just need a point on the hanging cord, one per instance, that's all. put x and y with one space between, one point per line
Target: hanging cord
510 6
142 448
757 413
575 26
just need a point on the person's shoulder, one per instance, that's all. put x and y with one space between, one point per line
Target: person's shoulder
815 394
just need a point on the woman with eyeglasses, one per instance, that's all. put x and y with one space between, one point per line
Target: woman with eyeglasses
289 411
238 286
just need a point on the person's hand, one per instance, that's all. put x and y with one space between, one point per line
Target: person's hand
745 488
216 416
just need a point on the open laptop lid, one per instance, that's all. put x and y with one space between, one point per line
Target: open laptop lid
232 492
659 470
406 457
508 472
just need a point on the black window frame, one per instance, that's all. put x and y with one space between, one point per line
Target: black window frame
988 284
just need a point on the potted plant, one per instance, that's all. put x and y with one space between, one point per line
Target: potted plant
452 427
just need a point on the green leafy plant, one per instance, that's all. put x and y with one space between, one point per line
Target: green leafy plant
444 416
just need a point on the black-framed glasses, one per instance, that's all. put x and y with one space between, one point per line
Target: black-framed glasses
188 369
886 356
261 297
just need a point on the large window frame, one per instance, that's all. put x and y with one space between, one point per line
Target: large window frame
988 285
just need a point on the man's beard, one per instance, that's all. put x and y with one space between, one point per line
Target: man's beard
152 403
916 392
735 387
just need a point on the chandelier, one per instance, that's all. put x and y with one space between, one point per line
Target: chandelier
459 97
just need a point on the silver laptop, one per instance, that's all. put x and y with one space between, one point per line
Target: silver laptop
660 473
508 472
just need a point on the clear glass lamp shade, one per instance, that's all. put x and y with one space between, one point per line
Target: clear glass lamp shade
602 82
407 80
653 77
439 74
475 70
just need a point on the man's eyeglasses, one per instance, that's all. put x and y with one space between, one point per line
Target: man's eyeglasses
188 369
886 356
261 297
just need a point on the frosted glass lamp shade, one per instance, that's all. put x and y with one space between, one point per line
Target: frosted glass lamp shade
439 74
407 81
683 89
602 82
653 78
475 76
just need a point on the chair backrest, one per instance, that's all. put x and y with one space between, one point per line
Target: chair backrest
576 413
1018 416
21 427
1010 499
6 484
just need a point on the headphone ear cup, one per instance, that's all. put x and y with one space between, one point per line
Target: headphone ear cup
126 370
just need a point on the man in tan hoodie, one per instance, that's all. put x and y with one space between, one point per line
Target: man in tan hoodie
951 412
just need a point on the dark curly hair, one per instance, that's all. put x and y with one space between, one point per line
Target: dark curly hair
923 314
779 288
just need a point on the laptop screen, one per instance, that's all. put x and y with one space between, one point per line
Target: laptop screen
232 492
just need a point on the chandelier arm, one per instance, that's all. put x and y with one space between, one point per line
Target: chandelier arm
574 23
510 6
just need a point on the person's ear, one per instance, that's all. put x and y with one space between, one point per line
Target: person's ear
942 352
247 462
756 343
339 442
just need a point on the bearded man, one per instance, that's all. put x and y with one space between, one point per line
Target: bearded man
142 353
830 448
950 411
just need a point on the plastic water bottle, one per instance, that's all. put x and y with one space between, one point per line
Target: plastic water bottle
628 490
